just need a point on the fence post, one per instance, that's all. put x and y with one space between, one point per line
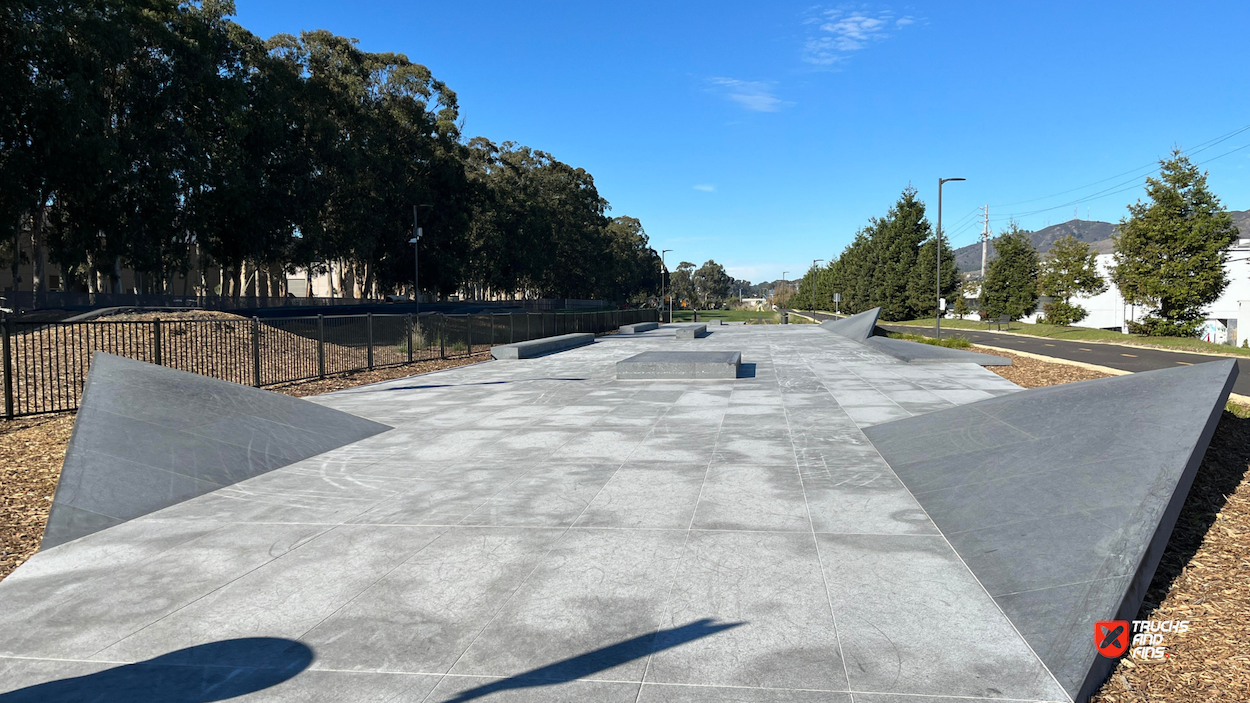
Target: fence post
410 324
511 327
321 346
369 335
8 367
156 341
256 351
442 336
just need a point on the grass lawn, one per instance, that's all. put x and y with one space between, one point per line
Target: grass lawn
1086 334
955 342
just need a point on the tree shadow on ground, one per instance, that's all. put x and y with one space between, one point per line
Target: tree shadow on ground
584 665
1223 468
216 671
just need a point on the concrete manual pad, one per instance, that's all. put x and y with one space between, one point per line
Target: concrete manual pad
147 437
544 531
540 347
692 332
680 364
639 327
1061 499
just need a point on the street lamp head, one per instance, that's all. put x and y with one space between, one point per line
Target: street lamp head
948 180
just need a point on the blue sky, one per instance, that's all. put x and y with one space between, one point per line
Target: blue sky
764 134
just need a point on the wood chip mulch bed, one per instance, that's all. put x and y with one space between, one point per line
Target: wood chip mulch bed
1204 576
33 448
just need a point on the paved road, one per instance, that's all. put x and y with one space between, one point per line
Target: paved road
1111 355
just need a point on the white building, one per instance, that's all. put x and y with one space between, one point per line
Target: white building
1109 311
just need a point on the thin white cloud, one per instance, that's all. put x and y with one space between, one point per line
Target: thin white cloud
841 32
756 96
705 187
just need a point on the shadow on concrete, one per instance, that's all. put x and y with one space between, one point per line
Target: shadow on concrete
216 671
746 370
480 383
584 665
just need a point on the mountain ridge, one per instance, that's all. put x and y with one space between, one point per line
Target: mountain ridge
1096 233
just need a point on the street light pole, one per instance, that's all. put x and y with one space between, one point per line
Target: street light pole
814 274
938 316
416 268
664 270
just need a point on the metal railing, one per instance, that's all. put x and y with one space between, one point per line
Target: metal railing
45 363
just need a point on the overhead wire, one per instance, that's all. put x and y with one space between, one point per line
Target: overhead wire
1202 146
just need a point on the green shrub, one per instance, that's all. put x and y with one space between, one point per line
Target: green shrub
1063 314
955 342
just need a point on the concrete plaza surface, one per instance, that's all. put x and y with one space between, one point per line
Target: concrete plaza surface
537 530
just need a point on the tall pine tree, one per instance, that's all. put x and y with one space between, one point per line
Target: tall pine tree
1010 285
896 239
1170 252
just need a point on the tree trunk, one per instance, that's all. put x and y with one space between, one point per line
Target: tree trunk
368 288
277 281
117 274
17 252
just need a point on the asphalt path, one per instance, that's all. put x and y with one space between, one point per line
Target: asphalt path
1116 356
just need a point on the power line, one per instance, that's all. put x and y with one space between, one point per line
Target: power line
1117 188
1203 146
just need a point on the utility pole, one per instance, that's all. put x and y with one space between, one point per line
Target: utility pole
985 242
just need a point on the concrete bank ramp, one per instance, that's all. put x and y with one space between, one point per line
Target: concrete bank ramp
858 327
148 437
861 327
1061 500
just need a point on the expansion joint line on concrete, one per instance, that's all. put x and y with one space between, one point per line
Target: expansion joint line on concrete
555 543
967 568
945 540
824 578
685 541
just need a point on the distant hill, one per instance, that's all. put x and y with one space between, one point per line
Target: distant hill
1096 234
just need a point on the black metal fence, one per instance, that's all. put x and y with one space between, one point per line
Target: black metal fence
45 363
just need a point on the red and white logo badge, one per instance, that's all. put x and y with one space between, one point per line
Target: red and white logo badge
1111 637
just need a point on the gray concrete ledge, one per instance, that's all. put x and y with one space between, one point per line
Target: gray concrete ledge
639 327
680 364
539 347
692 332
